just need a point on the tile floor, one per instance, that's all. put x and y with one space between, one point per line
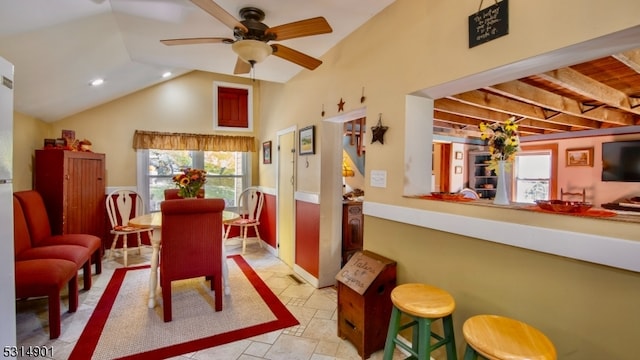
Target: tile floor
314 339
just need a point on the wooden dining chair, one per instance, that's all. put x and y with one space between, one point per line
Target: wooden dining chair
250 205
191 246
122 206
583 194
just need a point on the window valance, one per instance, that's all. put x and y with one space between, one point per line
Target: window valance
199 142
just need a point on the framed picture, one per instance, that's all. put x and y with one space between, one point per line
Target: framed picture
458 155
580 157
307 140
458 169
69 135
266 152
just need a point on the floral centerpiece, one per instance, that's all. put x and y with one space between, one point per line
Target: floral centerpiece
190 181
502 139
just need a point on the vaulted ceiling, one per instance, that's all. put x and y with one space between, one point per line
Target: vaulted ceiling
598 94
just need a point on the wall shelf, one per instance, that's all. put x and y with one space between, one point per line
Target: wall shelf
479 175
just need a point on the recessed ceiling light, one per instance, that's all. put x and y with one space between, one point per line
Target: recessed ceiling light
167 74
96 82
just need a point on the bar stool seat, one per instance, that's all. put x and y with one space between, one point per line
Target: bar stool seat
424 304
500 338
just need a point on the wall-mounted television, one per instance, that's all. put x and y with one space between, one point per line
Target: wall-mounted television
621 161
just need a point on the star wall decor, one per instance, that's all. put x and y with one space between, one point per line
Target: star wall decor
341 105
378 131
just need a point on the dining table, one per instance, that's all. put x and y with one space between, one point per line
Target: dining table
154 220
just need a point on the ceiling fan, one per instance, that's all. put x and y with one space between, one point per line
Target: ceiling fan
251 36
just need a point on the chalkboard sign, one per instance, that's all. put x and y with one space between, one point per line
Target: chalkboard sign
488 24
359 272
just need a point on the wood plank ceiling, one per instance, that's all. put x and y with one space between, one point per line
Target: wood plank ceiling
599 94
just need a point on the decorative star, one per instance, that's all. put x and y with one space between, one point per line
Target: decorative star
378 131
341 105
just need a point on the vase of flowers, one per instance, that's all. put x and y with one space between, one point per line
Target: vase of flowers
190 181
503 143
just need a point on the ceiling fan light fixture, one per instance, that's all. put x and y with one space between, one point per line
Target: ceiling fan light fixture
252 51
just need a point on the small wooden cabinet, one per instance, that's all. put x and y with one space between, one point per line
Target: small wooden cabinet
72 185
364 301
481 179
352 224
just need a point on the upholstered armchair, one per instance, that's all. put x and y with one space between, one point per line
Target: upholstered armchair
39 226
191 245
24 251
172 194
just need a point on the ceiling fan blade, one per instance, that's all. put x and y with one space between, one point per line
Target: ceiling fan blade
295 56
241 67
313 26
219 13
191 41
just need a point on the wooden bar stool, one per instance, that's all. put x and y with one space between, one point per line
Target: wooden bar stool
500 338
424 304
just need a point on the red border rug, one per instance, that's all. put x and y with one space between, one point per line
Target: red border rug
90 336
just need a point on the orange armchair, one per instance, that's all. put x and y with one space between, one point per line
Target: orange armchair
191 245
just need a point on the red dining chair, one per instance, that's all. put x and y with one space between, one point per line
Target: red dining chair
191 246
172 194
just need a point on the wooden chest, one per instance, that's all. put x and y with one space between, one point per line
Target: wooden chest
364 305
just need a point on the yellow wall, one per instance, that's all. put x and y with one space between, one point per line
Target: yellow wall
413 45
184 104
28 134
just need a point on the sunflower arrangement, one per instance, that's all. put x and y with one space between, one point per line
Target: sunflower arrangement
190 181
502 139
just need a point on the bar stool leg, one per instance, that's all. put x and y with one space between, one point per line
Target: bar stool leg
423 331
447 324
390 343
470 354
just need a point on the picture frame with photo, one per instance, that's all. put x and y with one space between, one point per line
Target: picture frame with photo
580 156
266 152
306 140
458 155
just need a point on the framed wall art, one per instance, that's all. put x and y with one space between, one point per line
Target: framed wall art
458 155
266 152
458 169
307 141
580 157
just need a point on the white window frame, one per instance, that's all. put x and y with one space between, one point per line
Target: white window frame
249 88
142 172
516 178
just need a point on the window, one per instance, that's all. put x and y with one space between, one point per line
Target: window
532 176
227 173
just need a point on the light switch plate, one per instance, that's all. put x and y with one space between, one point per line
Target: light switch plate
378 178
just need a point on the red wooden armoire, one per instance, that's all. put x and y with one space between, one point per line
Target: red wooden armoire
72 184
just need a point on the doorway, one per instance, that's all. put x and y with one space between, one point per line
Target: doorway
285 158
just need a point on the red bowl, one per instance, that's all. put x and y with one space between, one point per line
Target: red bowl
446 195
564 206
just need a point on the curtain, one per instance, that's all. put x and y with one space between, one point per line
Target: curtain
198 142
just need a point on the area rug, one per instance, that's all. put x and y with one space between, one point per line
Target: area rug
123 327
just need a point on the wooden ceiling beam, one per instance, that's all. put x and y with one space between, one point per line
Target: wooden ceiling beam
487 100
589 87
530 94
463 109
